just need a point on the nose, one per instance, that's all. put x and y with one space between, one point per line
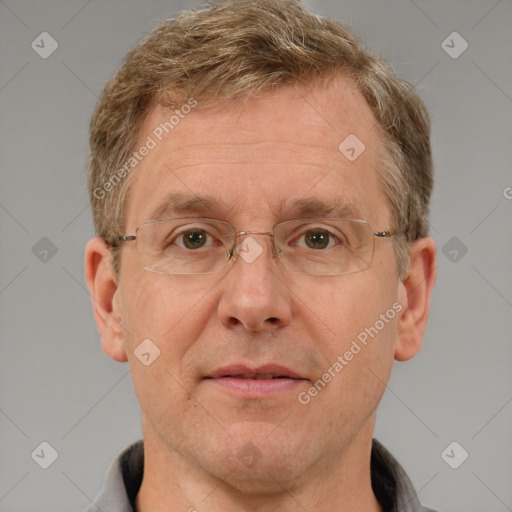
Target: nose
254 297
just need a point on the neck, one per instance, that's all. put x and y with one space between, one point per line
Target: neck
173 483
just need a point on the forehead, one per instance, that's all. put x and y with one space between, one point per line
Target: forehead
257 159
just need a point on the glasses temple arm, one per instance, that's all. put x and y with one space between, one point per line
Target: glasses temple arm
385 234
123 238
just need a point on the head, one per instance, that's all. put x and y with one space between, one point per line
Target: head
246 103
231 51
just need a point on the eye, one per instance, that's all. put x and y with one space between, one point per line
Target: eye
317 238
190 238
194 239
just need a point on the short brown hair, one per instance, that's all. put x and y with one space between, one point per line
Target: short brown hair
233 49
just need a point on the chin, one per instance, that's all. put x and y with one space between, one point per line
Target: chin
260 459
265 479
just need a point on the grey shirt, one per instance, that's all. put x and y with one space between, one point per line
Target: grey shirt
391 485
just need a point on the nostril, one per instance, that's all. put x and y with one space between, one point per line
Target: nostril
272 320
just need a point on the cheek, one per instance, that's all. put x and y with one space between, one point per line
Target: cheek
172 311
354 323
155 307
343 307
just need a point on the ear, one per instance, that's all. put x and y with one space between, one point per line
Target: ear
103 287
416 291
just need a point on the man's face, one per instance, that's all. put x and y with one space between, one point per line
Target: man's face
254 160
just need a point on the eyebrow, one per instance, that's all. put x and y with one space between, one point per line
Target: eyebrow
313 207
183 204
205 206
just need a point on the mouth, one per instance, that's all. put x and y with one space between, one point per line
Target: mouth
258 382
257 376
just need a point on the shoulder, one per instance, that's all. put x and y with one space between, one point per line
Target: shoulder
390 483
122 481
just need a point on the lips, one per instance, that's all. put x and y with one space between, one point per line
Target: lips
263 382
266 372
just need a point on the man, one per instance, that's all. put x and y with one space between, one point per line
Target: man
260 187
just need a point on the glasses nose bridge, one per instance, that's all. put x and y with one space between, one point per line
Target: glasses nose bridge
244 233
250 233
236 244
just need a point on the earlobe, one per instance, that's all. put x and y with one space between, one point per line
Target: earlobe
417 287
104 290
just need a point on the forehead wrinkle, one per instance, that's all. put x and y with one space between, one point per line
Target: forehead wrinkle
182 159
193 166
233 152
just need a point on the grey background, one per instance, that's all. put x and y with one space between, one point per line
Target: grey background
56 385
